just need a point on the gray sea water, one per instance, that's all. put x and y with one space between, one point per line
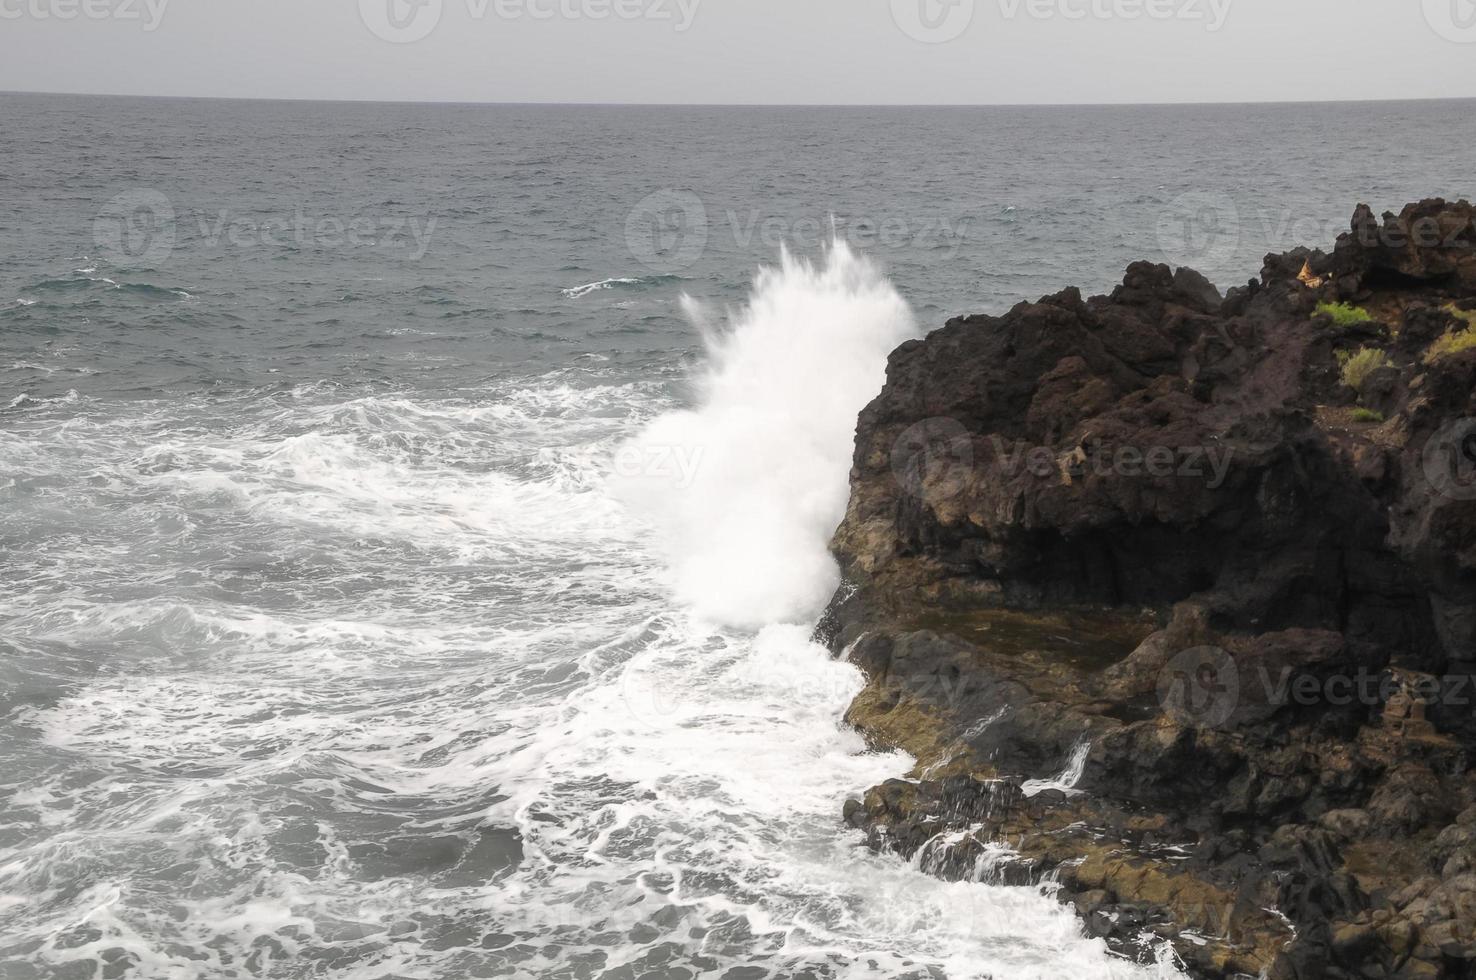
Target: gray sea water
412 517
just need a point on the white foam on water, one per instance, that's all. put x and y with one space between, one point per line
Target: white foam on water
24 400
747 488
575 292
326 656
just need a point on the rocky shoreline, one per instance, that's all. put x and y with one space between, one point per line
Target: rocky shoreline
1211 562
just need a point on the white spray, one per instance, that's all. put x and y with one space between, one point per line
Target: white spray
748 487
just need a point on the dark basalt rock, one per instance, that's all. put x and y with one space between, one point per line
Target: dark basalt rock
1152 542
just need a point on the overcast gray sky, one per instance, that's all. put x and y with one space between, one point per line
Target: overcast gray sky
746 51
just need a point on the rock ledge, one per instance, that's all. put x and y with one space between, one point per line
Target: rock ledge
1175 595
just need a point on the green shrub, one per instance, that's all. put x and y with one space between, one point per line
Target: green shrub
1357 367
1453 342
1344 314
1367 415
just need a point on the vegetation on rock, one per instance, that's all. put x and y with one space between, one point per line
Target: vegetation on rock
1454 341
1343 315
1356 367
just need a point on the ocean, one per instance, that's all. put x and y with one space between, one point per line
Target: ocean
413 517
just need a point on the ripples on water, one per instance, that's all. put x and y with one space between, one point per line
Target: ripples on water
378 687
329 645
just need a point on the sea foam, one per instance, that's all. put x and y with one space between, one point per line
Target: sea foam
747 487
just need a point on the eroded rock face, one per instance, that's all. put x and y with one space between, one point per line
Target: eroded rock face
1169 538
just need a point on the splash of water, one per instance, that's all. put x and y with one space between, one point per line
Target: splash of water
1068 778
747 488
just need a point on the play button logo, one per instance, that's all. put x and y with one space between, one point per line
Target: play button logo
400 21
1454 20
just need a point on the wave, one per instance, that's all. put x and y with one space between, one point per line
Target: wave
747 488
29 401
424 644
62 285
90 282
576 292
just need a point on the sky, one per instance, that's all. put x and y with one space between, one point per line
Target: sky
872 52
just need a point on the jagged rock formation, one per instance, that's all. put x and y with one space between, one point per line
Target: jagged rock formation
1181 541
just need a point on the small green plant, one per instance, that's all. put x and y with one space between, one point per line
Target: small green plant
1344 314
1357 367
1367 415
1453 342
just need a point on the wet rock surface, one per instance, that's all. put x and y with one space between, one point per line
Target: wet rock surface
1176 610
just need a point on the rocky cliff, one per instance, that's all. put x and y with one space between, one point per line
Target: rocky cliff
1175 595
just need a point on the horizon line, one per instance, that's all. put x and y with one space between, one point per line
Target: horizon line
736 105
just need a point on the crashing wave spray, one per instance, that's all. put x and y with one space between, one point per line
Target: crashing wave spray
748 487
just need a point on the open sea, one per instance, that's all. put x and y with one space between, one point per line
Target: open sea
412 517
